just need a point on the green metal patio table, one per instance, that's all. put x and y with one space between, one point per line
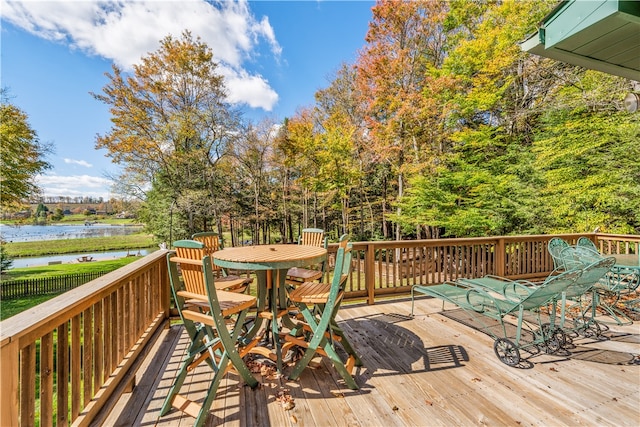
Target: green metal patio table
625 280
628 261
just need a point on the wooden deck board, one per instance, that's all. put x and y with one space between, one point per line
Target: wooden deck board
427 370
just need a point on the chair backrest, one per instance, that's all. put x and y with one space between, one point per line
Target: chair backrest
591 274
579 257
585 242
210 239
189 255
198 279
212 243
313 237
555 247
341 270
550 289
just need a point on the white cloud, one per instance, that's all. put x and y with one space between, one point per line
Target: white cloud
78 162
251 90
126 30
74 186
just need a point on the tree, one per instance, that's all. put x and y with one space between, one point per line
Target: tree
484 184
22 156
405 40
253 165
586 150
42 211
5 260
172 125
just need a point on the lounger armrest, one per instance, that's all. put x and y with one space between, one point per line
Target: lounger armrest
516 291
480 301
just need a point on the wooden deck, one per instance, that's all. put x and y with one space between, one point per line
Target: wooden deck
430 370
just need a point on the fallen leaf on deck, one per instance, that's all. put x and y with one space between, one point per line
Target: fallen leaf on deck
285 400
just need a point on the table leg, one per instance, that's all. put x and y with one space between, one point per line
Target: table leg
274 320
261 277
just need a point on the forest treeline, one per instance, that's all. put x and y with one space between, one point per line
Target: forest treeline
442 127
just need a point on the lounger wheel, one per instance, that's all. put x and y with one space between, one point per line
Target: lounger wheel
553 340
581 326
592 330
507 351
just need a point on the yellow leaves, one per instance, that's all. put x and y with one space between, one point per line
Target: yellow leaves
21 155
173 102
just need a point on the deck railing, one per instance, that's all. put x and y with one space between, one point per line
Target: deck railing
64 361
390 268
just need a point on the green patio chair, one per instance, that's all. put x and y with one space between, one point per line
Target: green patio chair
229 282
318 303
485 305
213 320
619 282
622 281
595 273
555 246
298 275
585 242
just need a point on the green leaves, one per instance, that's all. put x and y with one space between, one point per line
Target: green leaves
171 127
22 156
588 162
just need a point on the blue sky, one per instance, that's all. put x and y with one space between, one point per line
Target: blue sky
274 55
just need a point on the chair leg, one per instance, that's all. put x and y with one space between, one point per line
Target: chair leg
320 343
195 348
229 342
612 311
177 384
220 353
310 349
340 366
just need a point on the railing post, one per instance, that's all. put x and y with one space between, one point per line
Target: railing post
369 273
9 392
500 258
165 292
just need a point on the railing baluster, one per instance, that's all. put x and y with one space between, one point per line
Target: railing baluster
62 374
28 384
46 380
76 365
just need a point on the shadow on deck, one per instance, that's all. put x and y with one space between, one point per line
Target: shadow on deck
429 370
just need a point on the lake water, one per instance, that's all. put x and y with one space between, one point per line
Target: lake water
30 233
73 258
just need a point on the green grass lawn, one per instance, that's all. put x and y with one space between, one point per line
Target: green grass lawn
14 306
76 219
62 269
11 307
71 246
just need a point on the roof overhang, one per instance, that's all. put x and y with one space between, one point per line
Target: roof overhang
602 35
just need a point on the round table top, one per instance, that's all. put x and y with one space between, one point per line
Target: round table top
268 257
627 260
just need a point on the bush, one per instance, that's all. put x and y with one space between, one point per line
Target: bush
5 260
